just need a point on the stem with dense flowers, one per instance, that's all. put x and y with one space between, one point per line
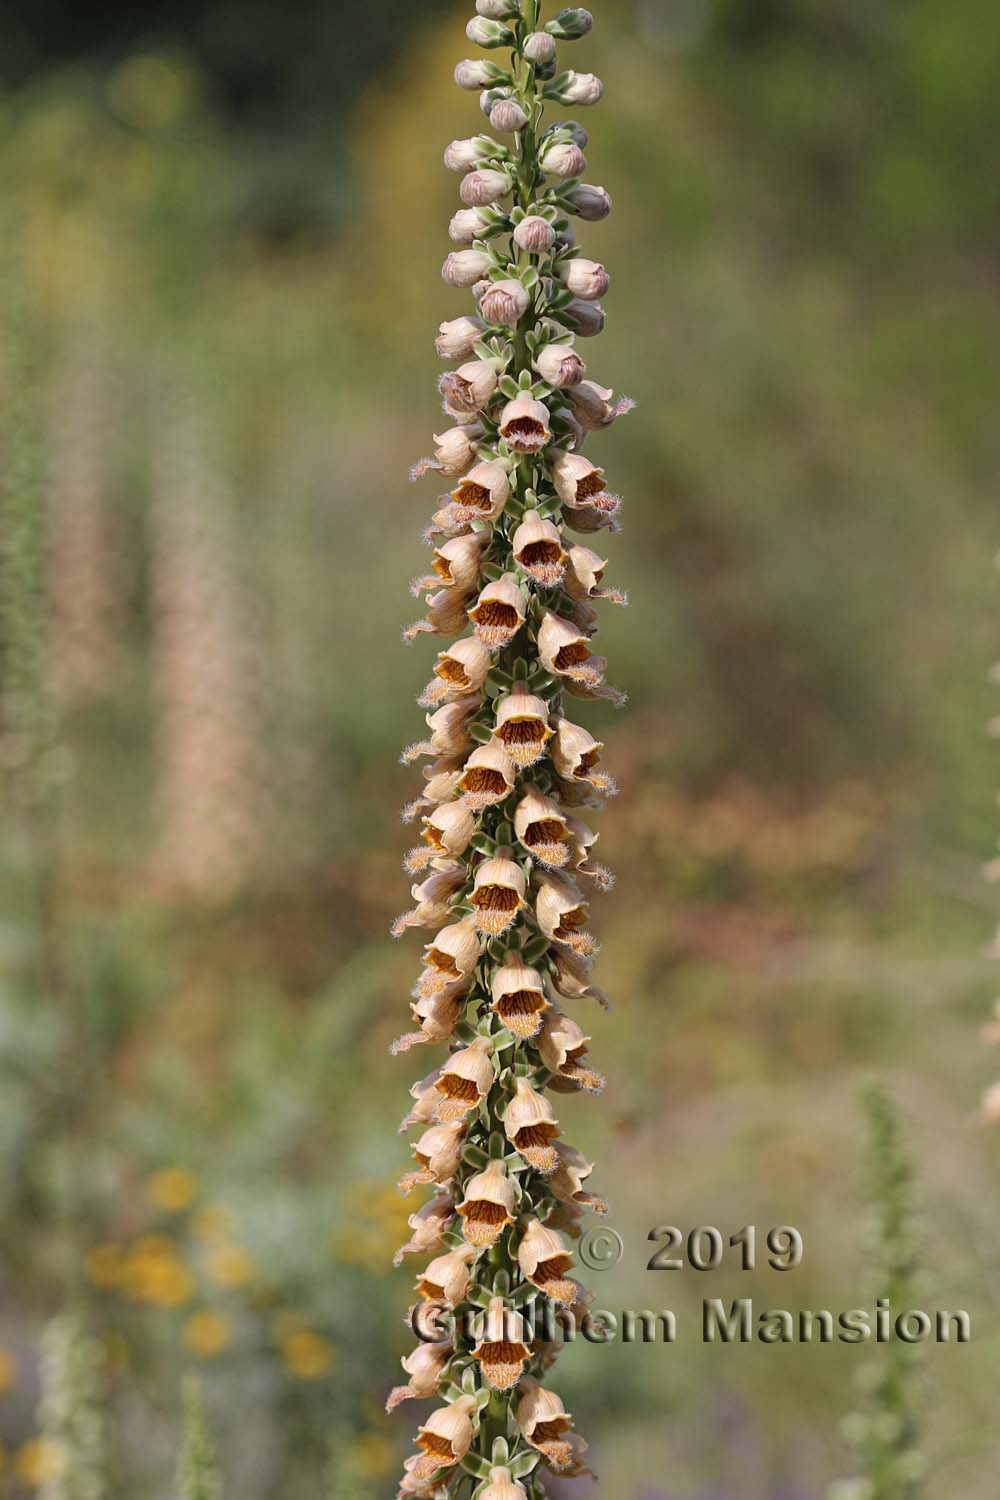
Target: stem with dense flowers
504 853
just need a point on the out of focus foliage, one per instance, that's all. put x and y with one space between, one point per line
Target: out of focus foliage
216 367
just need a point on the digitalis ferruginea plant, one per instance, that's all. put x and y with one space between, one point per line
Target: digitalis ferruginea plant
505 864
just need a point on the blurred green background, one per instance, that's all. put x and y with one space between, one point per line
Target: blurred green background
220 236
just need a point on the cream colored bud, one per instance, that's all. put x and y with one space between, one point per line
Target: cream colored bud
467 390
467 225
591 404
455 451
465 1080
437 1154
501 1350
524 424
464 667
571 977
522 726
560 365
445 1438
539 47
518 996
504 302
584 574
507 115
586 278
498 894
463 156
449 828
488 1206
503 1487
499 612
589 202
585 318
535 235
544 1260
488 776
581 88
480 189
537 546
561 913
484 491
473 74
563 159
576 479
531 1127
445 615
458 337
540 825
463 268
449 726
446 1278
488 33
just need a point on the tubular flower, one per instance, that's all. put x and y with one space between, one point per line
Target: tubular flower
488 1206
514 588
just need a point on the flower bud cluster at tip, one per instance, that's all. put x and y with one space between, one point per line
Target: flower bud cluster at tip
505 864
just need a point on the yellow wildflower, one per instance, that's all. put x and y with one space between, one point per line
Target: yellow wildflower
154 1273
230 1265
8 1370
39 1460
308 1355
373 1455
172 1189
208 1333
213 1221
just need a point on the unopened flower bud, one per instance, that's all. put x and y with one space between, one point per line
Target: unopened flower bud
479 189
507 115
466 390
586 278
467 225
560 365
571 23
458 337
588 202
463 155
580 88
454 452
539 47
496 10
472 73
535 235
564 159
487 33
585 318
504 302
465 267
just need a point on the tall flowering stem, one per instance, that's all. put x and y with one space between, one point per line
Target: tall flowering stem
505 861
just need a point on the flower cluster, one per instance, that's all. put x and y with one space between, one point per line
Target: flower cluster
505 859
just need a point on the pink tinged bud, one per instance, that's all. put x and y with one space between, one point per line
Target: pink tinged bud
473 74
539 47
465 267
503 1487
507 115
496 10
535 235
589 202
564 159
524 424
458 337
559 365
585 318
484 32
466 391
481 188
581 88
462 156
586 278
504 302
467 225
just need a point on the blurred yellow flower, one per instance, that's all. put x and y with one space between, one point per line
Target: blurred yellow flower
308 1355
230 1265
212 1222
106 1265
374 1455
207 1333
8 1370
154 1273
172 1189
39 1460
